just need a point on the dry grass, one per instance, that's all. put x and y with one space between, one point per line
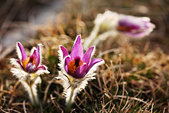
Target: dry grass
129 82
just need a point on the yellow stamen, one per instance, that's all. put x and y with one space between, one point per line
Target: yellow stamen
124 28
25 62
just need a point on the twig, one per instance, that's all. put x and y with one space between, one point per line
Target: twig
132 98
46 90
24 108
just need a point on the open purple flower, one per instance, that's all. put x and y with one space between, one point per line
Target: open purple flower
28 65
78 64
27 69
135 26
77 68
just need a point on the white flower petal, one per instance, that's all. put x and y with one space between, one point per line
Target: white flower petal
40 53
94 67
18 51
41 71
60 53
108 18
62 63
19 73
65 81
15 63
32 50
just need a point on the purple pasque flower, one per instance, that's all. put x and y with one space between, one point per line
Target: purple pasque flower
27 69
76 69
78 64
135 26
28 65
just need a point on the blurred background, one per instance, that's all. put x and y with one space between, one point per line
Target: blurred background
57 22
20 18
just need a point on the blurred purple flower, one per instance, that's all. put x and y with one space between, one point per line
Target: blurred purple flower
135 26
110 24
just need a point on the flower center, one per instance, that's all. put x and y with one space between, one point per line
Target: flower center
125 28
74 64
29 64
30 68
25 62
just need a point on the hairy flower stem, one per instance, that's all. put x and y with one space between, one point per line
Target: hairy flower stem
94 38
70 101
34 102
29 86
104 36
93 34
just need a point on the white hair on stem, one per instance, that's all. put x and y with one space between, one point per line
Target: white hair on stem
108 19
104 36
31 88
29 80
91 37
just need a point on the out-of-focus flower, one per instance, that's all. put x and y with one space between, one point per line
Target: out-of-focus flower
135 26
111 23
27 69
76 69
106 21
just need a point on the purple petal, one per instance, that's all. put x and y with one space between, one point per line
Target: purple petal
42 67
135 26
87 55
66 68
23 53
37 55
80 72
20 64
33 56
146 30
64 51
136 35
67 60
129 24
93 62
77 50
